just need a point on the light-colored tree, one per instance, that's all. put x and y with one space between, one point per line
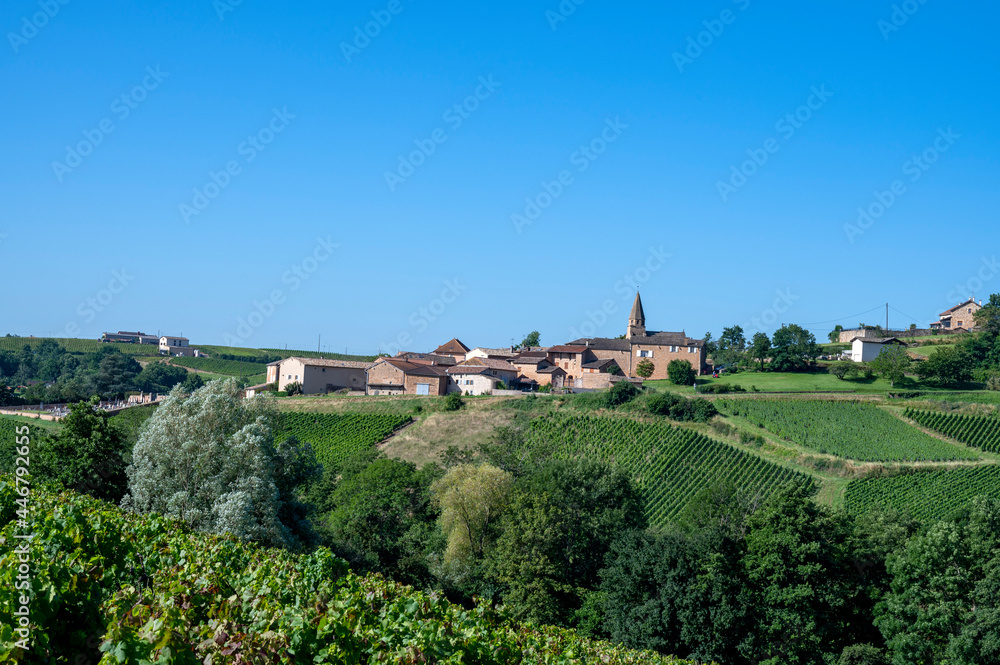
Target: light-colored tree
471 499
209 459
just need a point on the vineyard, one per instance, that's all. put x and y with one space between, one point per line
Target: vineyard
670 464
853 430
79 346
126 588
226 367
982 432
336 437
928 495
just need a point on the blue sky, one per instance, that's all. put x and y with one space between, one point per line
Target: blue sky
265 174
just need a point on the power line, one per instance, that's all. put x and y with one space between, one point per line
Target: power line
912 318
819 323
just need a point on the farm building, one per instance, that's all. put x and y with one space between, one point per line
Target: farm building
480 376
864 349
176 346
395 376
453 348
319 375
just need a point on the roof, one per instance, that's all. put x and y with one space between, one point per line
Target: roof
414 369
434 358
506 352
324 362
599 364
637 314
174 337
552 369
880 340
467 369
604 344
491 363
528 360
453 346
970 301
568 348
650 338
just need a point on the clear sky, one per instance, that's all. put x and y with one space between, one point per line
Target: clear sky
265 174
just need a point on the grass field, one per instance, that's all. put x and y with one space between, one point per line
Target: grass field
859 431
927 495
223 367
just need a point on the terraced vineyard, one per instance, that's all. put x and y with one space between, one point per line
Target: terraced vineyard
73 345
226 367
928 495
336 437
854 430
982 432
669 464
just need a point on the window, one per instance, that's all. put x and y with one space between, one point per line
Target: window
691 349
642 353
673 349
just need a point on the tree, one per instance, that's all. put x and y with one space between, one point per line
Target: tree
731 346
988 318
844 369
471 500
798 575
560 525
621 392
947 366
209 459
891 363
87 455
531 339
681 373
760 348
192 382
792 348
383 519
159 377
645 368
834 335
453 402
711 346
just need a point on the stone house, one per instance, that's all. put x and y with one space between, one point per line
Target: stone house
453 348
319 375
638 344
960 316
472 380
395 376
497 354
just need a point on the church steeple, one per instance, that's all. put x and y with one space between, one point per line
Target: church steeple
636 320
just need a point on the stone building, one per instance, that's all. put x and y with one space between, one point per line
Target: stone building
395 376
318 375
638 344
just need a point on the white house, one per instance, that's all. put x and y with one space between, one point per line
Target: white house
471 380
864 349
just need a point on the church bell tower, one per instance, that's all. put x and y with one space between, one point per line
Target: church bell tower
636 320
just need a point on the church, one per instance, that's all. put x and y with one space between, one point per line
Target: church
640 344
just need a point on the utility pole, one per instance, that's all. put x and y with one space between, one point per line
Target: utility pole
887 317
319 338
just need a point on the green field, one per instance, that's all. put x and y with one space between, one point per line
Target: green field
982 432
927 495
854 430
224 367
72 345
336 437
670 464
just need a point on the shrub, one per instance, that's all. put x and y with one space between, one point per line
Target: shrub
993 382
620 393
293 388
722 389
680 408
453 402
681 373
845 369
645 368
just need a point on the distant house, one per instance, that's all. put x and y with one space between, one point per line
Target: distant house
396 376
319 375
479 376
130 337
529 364
176 346
960 316
426 358
453 348
505 353
864 349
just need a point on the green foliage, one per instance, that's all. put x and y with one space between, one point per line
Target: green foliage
87 455
531 339
947 367
621 392
845 369
792 348
383 519
856 430
680 408
798 572
294 388
159 377
891 363
681 373
645 368
982 432
558 529
658 457
834 335
146 589
926 495
336 437
760 348
453 402
731 346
